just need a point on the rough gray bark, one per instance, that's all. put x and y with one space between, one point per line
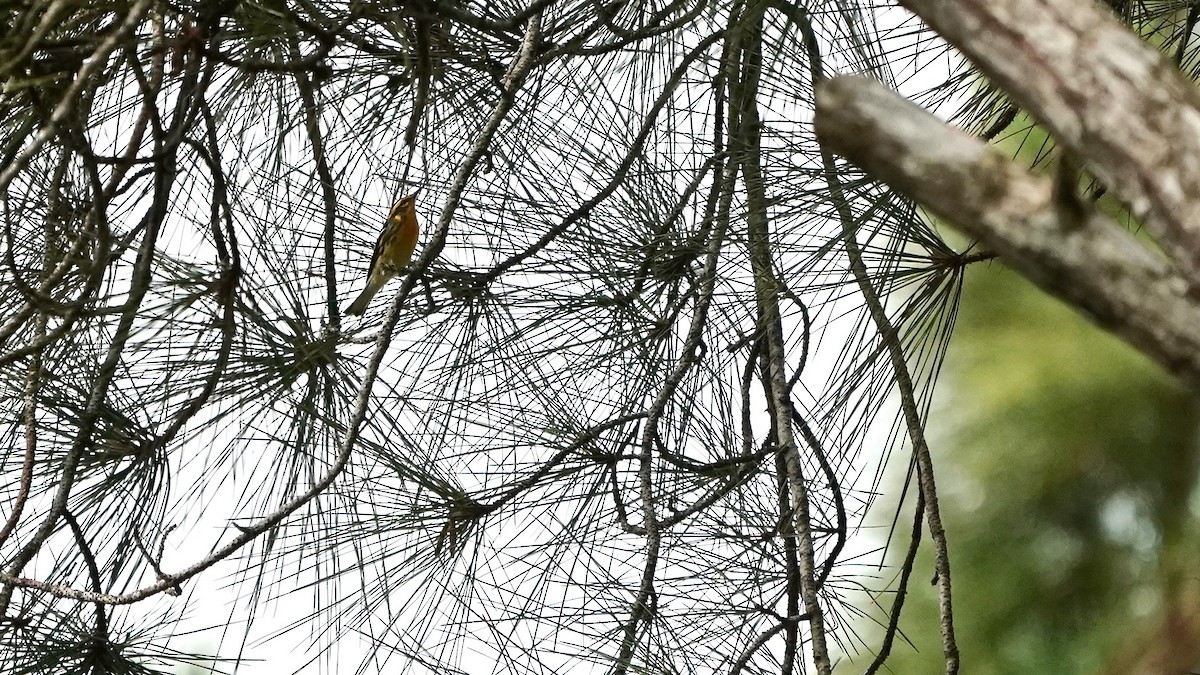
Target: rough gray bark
1107 95
1085 258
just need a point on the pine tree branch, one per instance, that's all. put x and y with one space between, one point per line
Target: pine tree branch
1110 97
798 530
1090 262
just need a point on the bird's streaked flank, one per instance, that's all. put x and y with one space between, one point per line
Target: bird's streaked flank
393 251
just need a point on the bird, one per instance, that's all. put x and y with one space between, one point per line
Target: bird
392 252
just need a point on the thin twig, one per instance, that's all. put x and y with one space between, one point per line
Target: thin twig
29 413
889 636
100 633
316 141
689 356
889 336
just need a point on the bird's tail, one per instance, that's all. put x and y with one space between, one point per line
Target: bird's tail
360 303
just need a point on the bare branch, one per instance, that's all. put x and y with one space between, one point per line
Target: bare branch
1108 96
32 384
798 530
1092 263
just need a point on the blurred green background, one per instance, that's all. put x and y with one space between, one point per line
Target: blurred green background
1065 462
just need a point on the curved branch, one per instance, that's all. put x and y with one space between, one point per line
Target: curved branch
308 95
890 340
839 505
798 529
689 356
906 569
889 336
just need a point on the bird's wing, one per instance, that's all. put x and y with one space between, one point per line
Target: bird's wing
379 245
393 219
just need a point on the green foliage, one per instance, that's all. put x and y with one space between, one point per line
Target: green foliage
1063 456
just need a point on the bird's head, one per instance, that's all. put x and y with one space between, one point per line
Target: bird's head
404 204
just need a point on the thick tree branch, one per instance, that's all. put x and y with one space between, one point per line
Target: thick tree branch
1110 97
1086 259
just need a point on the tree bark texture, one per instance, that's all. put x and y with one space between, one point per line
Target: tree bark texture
1087 259
1108 96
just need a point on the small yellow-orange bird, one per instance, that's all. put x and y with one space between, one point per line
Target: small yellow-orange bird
392 252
